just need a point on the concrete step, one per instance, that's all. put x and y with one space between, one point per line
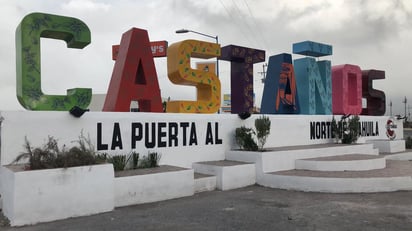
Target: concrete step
204 182
351 162
388 146
405 155
396 176
229 174
283 158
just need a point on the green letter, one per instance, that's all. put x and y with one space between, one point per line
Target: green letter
33 27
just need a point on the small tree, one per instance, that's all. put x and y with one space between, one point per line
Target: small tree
262 125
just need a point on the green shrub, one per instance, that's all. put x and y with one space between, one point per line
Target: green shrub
50 156
346 130
118 161
262 125
150 161
244 138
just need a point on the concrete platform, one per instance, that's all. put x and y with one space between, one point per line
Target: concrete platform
352 162
204 183
284 158
396 176
388 146
406 155
229 174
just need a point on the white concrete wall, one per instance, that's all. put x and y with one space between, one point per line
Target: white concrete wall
286 130
46 195
147 188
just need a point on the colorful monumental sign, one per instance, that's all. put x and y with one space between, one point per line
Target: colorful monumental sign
305 86
315 87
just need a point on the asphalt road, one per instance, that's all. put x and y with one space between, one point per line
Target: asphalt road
253 208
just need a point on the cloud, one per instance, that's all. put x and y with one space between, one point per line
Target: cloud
85 5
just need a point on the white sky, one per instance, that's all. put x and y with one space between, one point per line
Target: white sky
374 34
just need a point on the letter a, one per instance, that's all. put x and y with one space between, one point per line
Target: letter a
134 76
280 95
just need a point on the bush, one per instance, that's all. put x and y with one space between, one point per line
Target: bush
50 156
244 139
124 162
346 130
150 161
244 135
118 161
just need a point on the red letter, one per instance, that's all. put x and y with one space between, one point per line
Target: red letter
347 89
376 102
134 76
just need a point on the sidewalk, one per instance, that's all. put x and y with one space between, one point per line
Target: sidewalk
253 208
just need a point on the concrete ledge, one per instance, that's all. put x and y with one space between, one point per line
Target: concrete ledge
283 158
396 176
36 196
388 146
400 156
337 185
354 162
204 183
229 174
151 187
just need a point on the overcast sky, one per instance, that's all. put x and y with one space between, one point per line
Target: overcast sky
375 34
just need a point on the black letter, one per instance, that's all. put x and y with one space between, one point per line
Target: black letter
161 134
323 130
146 135
100 146
184 126
193 136
209 135
135 137
317 130
312 130
172 133
117 137
217 140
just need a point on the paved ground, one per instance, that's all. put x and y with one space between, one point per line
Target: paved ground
254 208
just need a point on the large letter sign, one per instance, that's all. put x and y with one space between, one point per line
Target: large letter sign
280 95
347 89
375 99
313 78
180 72
33 27
241 76
134 76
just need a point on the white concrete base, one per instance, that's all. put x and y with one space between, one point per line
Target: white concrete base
400 156
363 163
205 183
36 196
281 159
138 189
229 175
389 146
337 185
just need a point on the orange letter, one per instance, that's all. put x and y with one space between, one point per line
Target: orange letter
180 72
